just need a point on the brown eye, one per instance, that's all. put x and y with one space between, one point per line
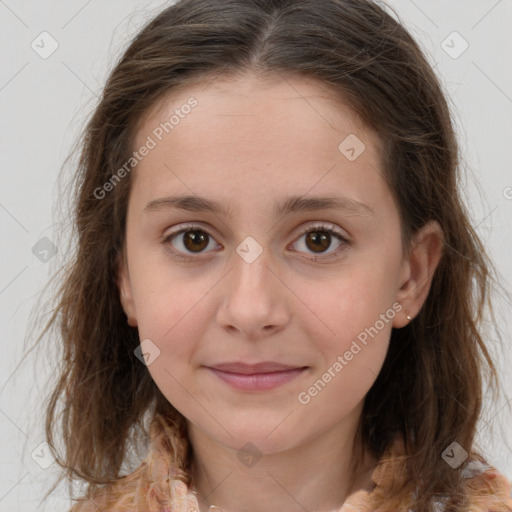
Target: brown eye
186 243
318 241
195 240
192 240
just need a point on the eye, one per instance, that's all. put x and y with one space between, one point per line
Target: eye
196 240
319 238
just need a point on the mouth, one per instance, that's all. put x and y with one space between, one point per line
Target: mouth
251 369
256 377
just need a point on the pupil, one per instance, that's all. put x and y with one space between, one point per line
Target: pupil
319 237
194 237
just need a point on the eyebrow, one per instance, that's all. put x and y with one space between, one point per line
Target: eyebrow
292 204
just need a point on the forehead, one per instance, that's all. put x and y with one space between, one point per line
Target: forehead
269 132
253 103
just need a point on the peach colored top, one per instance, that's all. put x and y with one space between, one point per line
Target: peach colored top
155 486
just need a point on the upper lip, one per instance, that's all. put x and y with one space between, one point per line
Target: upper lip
264 367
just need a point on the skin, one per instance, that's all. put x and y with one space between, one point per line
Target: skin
249 143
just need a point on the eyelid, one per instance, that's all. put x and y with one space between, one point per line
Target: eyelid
183 228
180 228
327 226
343 237
330 228
318 224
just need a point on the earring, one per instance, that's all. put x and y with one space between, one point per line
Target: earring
408 317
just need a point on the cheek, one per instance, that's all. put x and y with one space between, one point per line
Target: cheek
173 318
348 305
359 312
166 299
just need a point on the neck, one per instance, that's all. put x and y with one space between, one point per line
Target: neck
318 475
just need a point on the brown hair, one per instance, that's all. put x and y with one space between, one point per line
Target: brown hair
430 387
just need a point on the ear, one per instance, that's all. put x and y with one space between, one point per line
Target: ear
125 290
418 271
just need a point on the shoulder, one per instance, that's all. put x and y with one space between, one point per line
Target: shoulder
139 492
157 485
126 494
486 488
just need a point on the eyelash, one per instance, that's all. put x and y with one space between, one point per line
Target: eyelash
324 228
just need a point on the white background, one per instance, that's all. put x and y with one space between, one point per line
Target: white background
44 102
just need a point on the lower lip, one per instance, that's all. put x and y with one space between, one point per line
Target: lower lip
258 381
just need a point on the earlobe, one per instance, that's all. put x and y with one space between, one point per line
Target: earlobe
424 257
125 292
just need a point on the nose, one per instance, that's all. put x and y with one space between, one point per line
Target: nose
255 300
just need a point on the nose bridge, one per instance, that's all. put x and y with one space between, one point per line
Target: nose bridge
254 297
252 273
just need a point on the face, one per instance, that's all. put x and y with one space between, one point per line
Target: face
269 295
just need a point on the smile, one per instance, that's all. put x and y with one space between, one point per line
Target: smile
259 377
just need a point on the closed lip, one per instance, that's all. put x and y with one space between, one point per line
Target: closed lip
252 369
